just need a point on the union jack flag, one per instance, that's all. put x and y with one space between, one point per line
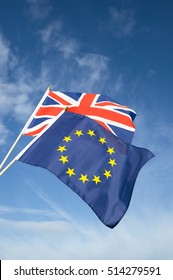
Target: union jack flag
113 116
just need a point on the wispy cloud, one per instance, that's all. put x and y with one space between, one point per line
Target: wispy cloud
16 88
15 99
151 73
57 210
38 9
13 102
63 240
4 51
74 68
13 210
121 23
4 133
7 59
50 33
54 38
93 69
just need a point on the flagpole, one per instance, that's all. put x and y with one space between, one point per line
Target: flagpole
11 149
30 144
22 152
25 126
8 166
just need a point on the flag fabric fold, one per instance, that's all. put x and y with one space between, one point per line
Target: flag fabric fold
93 162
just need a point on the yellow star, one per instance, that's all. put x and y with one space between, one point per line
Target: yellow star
112 162
67 139
63 159
107 174
110 150
70 171
91 132
96 179
102 140
83 178
62 148
79 133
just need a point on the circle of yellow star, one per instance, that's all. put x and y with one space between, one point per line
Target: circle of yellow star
79 133
64 159
67 139
107 173
83 178
102 140
96 179
62 148
112 162
91 132
110 150
70 171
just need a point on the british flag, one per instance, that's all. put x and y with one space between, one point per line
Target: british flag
113 116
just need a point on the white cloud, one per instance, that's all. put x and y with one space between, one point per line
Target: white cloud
4 51
133 239
95 63
50 33
121 23
4 132
118 84
72 68
38 9
150 73
13 95
15 100
22 106
54 38
93 69
7 58
16 94
57 210
53 233
13 210
67 46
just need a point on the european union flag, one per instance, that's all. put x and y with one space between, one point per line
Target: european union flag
90 160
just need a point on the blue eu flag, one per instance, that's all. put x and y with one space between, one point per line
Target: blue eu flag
90 160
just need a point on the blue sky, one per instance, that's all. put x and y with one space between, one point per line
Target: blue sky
122 49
